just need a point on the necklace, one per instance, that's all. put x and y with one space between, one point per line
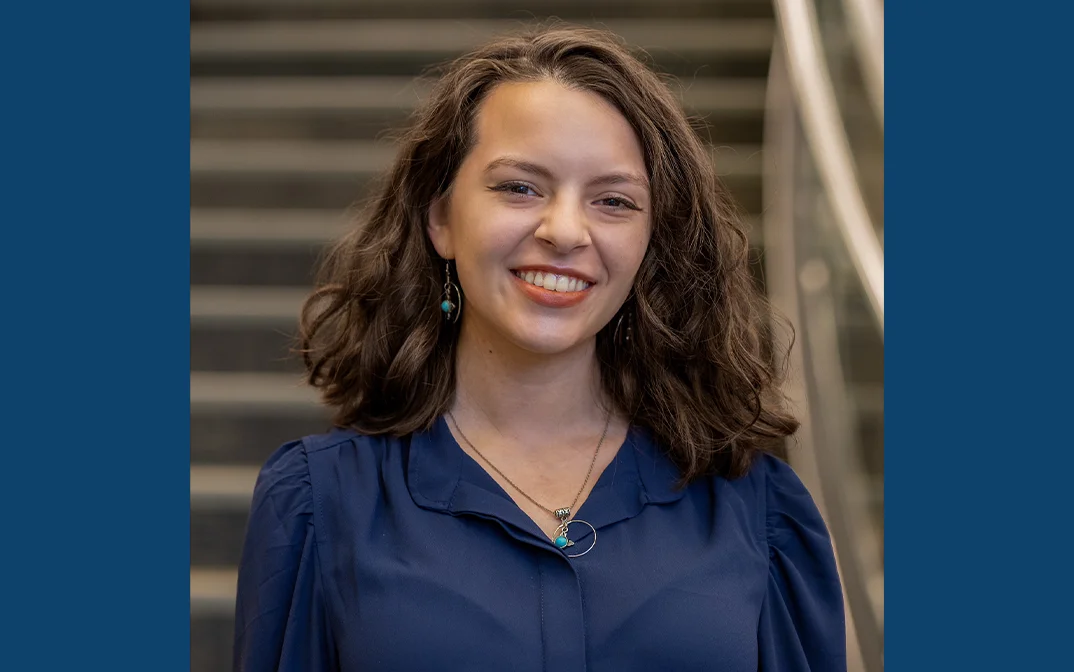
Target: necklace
562 514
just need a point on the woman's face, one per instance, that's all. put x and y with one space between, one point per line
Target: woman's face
548 218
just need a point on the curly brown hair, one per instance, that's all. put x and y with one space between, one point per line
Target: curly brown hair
698 373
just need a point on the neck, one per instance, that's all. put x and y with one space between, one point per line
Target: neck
522 394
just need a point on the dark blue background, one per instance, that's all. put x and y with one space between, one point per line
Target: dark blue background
95 184
979 261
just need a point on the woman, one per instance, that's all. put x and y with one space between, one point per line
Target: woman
545 355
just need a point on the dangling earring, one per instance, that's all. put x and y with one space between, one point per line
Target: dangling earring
452 298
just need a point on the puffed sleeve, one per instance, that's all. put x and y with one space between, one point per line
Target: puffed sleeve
802 624
280 621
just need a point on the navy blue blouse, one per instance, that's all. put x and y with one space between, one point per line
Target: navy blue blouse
404 554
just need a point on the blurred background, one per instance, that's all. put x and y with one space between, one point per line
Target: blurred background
289 104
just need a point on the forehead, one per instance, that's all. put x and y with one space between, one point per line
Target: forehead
565 128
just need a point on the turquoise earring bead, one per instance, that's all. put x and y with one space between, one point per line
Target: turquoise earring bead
446 306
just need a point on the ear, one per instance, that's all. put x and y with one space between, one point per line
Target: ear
438 229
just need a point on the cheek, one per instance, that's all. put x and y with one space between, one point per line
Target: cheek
489 237
624 255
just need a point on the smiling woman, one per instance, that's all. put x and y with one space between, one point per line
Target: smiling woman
543 331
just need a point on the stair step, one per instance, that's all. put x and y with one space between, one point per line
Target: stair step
247 392
220 497
567 9
263 265
251 228
440 38
212 590
261 246
235 347
248 436
359 94
292 157
306 94
247 306
682 46
216 535
221 486
211 641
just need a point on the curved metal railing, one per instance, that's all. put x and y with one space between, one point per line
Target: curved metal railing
823 125
865 18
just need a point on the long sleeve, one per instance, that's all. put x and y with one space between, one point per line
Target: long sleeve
280 615
802 626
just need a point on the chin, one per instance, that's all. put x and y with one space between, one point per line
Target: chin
549 344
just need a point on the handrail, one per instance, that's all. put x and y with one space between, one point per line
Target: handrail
830 148
866 23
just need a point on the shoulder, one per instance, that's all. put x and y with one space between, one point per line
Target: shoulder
319 464
776 499
788 518
310 449
291 461
790 511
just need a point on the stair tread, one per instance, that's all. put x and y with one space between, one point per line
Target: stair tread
210 304
216 487
290 156
244 39
265 227
244 391
352 94
212 590
209 482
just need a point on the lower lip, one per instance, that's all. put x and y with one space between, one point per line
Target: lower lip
549 298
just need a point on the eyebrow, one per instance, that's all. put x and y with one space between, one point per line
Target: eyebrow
541 171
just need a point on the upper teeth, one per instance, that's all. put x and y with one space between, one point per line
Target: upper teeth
553 282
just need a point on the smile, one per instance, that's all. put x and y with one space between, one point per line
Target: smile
552 282
552 290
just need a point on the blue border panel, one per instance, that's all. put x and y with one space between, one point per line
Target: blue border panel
95 336
980 258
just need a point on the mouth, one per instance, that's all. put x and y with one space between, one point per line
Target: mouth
552 282
552 290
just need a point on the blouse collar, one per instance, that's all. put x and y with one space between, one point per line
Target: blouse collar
443 477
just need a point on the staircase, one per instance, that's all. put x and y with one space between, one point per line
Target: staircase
290 101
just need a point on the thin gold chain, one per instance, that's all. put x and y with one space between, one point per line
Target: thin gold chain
603 434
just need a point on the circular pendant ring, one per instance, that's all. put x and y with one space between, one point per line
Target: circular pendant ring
582 522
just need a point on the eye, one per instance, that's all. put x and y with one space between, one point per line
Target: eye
618 203
515 189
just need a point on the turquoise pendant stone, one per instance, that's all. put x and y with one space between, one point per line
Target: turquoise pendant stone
561 541
446 306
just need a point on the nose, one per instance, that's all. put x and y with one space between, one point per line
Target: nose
564 226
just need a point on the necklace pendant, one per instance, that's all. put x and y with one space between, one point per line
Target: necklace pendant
561 541
563 514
